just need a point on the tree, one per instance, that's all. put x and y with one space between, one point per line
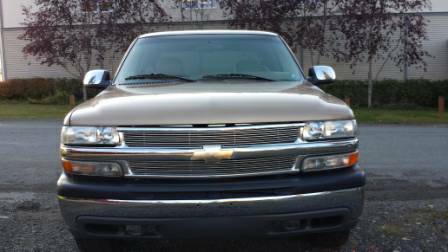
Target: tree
383 30
305 24
355 31
78 34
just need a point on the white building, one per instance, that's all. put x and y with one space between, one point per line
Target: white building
15 65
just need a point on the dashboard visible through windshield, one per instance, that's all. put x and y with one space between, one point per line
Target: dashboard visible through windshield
199 57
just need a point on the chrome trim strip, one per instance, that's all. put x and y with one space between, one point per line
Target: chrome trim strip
118 153
186 129
206 202
293 170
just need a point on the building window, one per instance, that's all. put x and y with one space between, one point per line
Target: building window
199 4
97 5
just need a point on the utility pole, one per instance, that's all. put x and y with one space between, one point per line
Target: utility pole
4 72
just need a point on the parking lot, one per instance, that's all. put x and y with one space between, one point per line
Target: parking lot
406 207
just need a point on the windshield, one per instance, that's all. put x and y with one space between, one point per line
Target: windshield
198 57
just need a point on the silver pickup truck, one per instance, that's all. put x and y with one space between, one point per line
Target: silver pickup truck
209 134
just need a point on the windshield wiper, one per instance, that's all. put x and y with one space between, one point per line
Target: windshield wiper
157 76
235 76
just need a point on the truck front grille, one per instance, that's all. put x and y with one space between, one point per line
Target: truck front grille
226 137
234 167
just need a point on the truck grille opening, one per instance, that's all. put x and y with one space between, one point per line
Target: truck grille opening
194 169
103 228
308 224
227 137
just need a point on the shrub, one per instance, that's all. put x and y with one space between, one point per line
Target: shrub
387 93
391 93
49 91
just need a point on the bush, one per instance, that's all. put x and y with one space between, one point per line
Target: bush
48 91
391 93
387 93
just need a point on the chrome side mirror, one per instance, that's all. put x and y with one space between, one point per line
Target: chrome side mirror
320 75
99 79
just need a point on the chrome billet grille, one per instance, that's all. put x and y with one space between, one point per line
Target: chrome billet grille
234 167
227 137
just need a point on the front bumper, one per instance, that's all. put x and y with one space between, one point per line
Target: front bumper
271 205
233 217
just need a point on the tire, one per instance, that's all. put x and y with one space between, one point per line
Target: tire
329 240
97 245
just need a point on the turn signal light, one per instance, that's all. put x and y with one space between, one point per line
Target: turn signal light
68 167
100 169
332 162
353 159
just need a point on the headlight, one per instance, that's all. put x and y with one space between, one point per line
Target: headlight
90 136
329 130
100 169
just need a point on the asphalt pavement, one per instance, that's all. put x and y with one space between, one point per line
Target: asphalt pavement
406 207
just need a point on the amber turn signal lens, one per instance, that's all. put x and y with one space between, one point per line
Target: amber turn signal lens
68 166
331 162
353 159
100 169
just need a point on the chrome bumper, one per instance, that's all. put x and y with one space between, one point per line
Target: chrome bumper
350 199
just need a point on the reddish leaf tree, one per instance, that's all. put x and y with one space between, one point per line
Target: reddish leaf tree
78 34
384 30
305 24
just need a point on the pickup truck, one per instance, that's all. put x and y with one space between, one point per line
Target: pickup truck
210 134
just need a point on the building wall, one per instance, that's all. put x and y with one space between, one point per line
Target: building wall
439 6
19 66
12 12
173 10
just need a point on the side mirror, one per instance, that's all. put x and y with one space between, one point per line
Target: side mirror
99 79
321 75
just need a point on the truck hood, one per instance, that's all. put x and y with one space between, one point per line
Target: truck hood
220 102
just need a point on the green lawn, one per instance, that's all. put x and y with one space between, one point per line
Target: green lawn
22 110
364 115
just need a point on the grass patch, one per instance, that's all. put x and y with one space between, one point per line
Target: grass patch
432 214
23 110
364 115
393 230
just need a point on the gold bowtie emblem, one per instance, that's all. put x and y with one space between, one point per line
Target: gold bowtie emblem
212 154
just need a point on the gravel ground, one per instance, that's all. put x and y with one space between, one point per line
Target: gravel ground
390 225
406 200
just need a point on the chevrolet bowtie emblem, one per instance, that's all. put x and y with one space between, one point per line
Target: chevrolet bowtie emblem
212 154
